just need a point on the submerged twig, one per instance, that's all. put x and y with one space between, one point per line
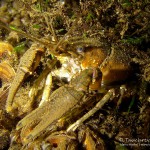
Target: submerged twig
9 28
98 106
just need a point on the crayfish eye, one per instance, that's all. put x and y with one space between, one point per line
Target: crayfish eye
80 49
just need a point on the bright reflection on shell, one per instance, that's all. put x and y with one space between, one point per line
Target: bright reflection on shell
68 69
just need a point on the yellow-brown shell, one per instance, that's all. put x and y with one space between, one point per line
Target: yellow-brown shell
115 67
93 58
5 49
6 71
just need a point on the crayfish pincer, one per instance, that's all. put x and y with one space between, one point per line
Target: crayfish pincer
60 102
